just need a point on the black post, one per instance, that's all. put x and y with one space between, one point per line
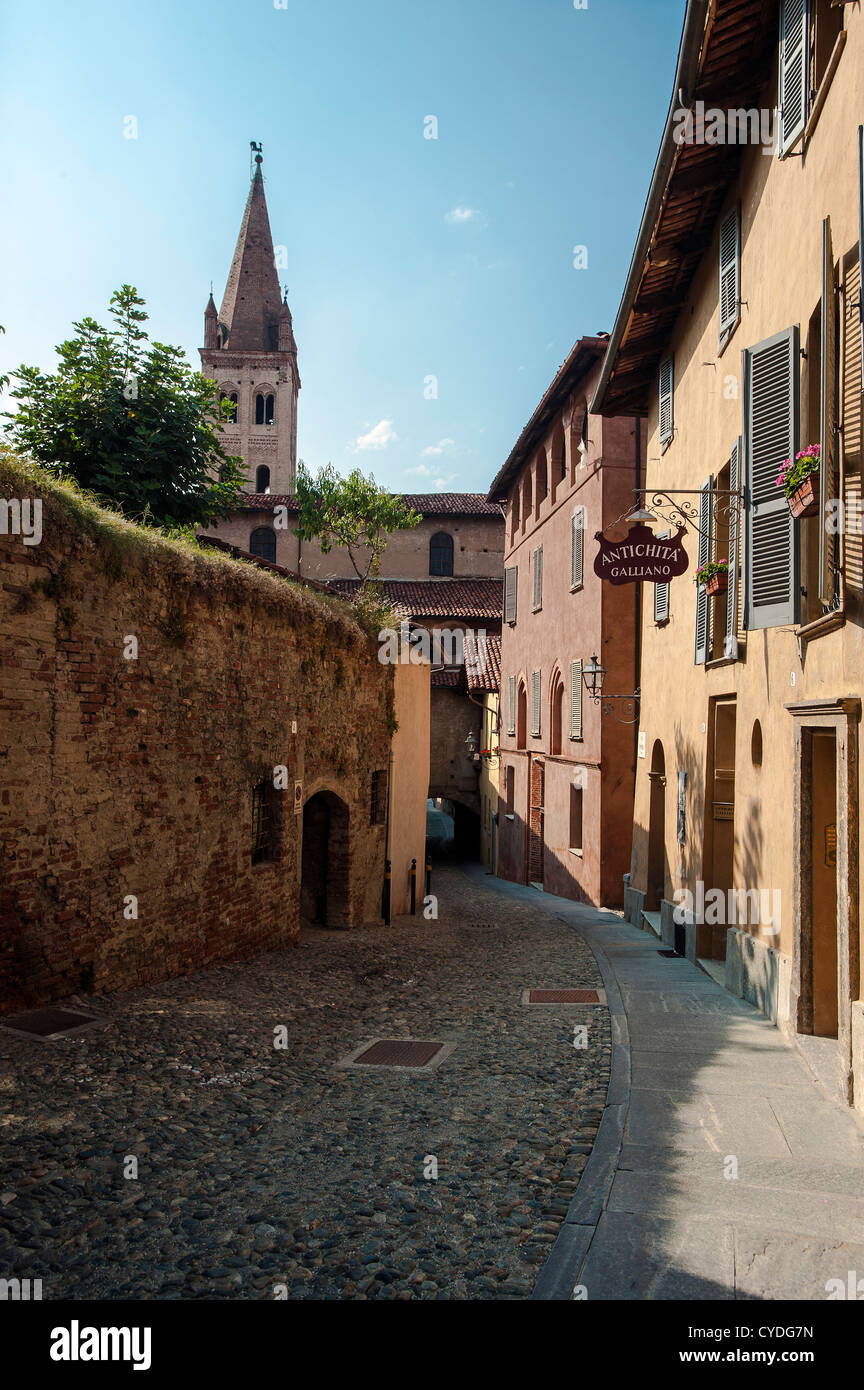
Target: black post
413 887
428 874
385 906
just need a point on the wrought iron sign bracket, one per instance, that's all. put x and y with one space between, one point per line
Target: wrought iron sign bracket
664 502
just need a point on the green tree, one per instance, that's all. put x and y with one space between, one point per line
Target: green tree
352 512
130 421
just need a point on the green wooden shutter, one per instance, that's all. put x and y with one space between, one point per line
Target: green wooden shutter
794 30
511 704
771 435
730 260
576 699
577 549
511 574
667 384
535 704
703 607
538 577
661 591
730 644
828 412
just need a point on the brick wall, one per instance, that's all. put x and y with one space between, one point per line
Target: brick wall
134 777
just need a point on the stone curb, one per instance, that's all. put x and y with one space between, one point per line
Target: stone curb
567 1257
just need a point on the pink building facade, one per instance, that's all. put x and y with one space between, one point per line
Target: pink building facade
567 769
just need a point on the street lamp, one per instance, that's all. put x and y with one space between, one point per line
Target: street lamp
593 676
471 744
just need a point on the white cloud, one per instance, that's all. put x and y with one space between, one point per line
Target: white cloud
378 438
433 450
460 214
442 483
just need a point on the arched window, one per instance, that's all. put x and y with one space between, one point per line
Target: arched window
232 418
264 409
521 716
262 543
557 720
526 498
542 485
262 478
441 553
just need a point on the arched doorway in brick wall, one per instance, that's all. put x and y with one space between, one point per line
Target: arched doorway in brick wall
325 862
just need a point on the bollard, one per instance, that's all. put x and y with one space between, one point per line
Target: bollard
413 887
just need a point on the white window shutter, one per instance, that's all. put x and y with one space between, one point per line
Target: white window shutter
511 704
576 699
771 435
703 607
535 704
661 591
511 574
730 260
577 548
667 386
730 643
538 577
794 55
828 417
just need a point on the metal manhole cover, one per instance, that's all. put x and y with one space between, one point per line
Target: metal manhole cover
563 996
49 1023
403 1054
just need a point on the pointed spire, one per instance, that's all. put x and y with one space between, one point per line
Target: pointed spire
252 303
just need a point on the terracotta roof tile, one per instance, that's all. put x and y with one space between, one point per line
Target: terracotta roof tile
483 668
427 503
443 598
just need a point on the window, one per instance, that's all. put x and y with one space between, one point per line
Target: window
265 823
583 436
378 799
576 699
576 795
771 435
542 482
262 478
562 459
535 704
793 72
730 263
666 417
537 569
441 554
661 592
511 705
521 716
577 549
510 790
557 716
511 574
262 543
705 552
733 592
232 417
526 498
264 409
514 514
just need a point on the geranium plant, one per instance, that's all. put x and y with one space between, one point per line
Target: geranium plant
792 474
710 568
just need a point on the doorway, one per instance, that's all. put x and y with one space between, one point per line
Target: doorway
822 850
535 823
655 886
721 809
324 883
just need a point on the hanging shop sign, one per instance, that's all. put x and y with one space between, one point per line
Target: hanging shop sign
641 555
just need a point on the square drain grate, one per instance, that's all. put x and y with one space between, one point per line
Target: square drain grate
564 996
48 1024
398 1054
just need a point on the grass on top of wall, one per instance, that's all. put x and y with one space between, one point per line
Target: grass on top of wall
121 541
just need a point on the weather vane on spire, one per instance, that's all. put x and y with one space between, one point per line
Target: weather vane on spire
256 153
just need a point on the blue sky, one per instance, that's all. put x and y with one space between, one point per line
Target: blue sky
406 257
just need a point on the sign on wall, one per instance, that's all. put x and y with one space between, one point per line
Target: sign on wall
640 556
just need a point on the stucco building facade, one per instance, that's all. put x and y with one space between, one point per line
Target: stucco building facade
739 338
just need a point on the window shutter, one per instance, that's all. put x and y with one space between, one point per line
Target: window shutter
667 383
771 435
703 607
730 260
577 548
510 578
538 578
730 645
511 705
793 71
535 704
828 417
861 246
576 699
661 592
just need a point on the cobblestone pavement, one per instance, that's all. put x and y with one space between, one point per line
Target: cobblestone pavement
259 1167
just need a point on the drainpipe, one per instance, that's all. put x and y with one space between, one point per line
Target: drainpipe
385 904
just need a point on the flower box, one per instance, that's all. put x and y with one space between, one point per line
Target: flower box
804 501
718 583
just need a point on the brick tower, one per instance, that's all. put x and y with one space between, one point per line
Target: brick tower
249 349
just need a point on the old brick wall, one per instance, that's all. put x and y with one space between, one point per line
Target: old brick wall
124 777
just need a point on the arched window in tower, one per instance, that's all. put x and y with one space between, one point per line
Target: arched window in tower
265 407
262 543
232 417
262 478
441 553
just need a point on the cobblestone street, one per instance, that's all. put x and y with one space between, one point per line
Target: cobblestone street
259 1166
